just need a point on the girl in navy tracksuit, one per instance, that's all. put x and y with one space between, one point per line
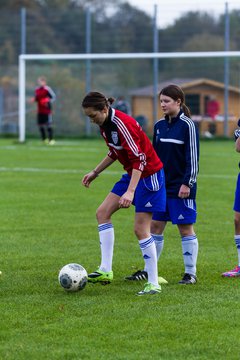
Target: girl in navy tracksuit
176 142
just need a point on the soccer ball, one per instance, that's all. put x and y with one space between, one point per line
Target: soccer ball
73 277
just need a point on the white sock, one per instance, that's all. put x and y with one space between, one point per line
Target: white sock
159 242
149 254
190 253
237 241
106 237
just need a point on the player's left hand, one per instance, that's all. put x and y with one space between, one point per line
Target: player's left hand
44 101
184 192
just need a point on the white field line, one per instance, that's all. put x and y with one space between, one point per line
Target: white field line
69 146
54 171
106 172
55 148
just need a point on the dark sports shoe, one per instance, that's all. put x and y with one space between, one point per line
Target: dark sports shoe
138 275
188 279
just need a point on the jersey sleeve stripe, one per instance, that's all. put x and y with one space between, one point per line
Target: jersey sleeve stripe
126 134
52 93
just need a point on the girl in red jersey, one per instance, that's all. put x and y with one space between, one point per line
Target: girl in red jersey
143 185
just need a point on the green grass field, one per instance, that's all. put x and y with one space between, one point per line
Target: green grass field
48 220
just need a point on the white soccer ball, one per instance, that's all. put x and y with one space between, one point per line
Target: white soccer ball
73 277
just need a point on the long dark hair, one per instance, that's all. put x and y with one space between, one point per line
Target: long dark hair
96 100
175 92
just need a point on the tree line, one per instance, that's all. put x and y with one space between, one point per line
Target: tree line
59 26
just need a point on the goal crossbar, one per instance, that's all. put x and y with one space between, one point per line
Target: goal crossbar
106 56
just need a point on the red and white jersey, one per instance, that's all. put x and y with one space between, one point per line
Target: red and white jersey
129 144
44 96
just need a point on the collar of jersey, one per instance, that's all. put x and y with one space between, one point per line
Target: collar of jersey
174 119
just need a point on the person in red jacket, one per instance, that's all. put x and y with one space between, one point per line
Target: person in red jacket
143 185
44 97
213 108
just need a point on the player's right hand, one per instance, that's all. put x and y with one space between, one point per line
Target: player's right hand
88 178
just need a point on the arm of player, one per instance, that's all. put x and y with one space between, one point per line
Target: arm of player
51 94
130 141
237 134
191 156
127 198
237 137
88 178
237 145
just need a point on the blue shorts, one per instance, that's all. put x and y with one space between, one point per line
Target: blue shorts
178 211
236 206
150 194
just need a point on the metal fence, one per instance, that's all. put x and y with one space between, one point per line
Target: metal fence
71 80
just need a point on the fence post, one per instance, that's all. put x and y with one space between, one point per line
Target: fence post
1 108
23 31
155 67
226 71
88 63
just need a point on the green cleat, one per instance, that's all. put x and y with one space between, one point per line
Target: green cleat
101 277
150 289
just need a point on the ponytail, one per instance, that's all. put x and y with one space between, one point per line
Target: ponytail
186 110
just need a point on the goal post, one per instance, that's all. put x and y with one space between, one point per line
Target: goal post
105 56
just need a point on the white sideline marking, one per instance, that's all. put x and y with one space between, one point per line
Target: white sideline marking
106 172
54 171
46 148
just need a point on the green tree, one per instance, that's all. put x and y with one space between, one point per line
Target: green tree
185 27
234 21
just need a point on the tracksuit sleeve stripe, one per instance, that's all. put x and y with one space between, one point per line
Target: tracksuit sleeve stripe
193 150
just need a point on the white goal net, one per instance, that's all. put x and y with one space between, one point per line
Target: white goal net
101 64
